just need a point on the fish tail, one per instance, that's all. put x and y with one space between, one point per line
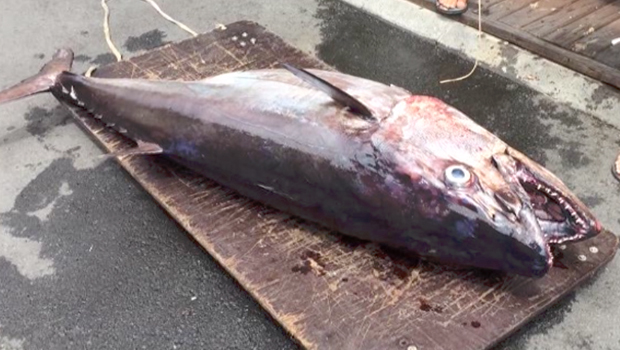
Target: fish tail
42 81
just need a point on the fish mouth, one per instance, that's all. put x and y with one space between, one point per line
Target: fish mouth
560 215
559 218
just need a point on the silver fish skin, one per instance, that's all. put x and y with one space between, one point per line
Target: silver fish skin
418 176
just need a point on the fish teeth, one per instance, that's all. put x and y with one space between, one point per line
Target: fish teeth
563 203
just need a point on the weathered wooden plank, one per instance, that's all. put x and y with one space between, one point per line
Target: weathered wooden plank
534 11
610 56
500 10
598 41
473 4
486 3
585 25
328 291
565 15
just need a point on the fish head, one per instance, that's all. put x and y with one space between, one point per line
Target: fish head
475 176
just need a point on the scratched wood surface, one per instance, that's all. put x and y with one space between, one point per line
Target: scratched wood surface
574 33
328 291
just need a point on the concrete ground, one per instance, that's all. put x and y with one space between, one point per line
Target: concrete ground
89 260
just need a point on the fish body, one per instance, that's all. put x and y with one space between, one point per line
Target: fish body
368 160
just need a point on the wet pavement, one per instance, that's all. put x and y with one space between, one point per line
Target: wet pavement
89 260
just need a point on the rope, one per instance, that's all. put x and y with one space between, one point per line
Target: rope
106 30
108 37
479 37
166 16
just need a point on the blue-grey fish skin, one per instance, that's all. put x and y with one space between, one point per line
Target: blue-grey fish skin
278 140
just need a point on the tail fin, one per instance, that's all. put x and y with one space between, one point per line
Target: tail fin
43 80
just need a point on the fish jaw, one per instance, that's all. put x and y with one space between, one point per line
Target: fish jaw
562 216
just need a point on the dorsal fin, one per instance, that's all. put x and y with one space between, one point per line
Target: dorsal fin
335 93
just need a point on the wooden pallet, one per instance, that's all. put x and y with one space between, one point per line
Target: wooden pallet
574 33
328 291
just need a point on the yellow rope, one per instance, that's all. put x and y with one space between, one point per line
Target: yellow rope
479 37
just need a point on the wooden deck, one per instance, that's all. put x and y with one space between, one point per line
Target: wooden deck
575 33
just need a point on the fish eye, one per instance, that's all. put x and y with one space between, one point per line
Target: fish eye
457 175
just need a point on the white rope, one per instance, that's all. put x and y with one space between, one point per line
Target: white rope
479 37
166 16
106 30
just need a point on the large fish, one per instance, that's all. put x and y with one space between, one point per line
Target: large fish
366 159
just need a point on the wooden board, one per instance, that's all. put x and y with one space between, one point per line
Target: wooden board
329 291
574 33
